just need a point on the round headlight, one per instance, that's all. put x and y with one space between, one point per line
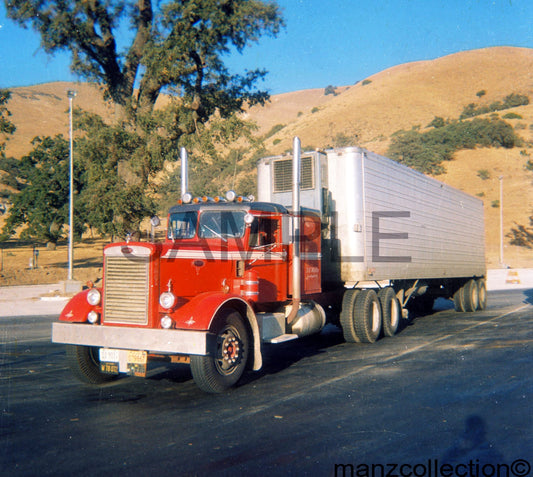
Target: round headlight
166 322
92 317
167 300
94 297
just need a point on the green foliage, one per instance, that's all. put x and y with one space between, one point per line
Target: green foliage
178 48
409 148
41 207
510 101
274 129
522 235
175 44
427 150
481 93
365 82
483 174
529 165
512 116
316 109
495 204
344 140
216 164
118 166
10 166
331 90
437 122
6 126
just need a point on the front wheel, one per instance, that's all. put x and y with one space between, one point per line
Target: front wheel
84 363
217 373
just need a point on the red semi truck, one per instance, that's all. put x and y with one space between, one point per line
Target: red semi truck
342 236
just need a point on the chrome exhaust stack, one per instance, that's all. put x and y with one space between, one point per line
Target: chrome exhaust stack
184 171
296 265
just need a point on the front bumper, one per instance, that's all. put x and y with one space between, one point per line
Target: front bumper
154 341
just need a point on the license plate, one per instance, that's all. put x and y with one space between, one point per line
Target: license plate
127 361
137 357
109 355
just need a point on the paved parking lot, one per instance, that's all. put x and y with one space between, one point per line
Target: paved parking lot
319 406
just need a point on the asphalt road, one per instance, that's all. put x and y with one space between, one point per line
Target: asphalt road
316 404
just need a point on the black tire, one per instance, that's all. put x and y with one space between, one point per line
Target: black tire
471 296
390 311
84 363
367 316
482 291
459 300
347 320
215 374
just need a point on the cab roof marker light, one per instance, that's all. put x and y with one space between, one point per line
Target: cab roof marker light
219 199
231 195
186 198
245 199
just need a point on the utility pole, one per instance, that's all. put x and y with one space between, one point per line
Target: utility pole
71 94
501 221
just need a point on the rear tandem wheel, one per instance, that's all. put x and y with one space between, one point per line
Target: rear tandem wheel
361 316
390 311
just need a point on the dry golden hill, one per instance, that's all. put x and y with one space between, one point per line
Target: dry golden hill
42 110
370 111
413 94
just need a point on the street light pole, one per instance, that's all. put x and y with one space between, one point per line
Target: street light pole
501 220
71 95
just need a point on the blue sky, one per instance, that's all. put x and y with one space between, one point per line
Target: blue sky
325 42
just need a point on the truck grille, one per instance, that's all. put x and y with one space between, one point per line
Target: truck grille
126 289
283 174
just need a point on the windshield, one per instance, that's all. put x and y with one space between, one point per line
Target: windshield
222 224
182 225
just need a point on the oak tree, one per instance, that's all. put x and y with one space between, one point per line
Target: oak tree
138 51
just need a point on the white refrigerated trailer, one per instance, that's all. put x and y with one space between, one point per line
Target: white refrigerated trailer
386 226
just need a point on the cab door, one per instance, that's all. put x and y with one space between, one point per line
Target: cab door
268 258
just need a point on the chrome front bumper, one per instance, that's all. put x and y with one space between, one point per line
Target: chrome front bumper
156 341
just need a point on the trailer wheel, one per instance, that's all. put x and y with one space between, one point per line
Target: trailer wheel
471 296
347 319
390 311
459 300
215 374
367 316
482 292
84 363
